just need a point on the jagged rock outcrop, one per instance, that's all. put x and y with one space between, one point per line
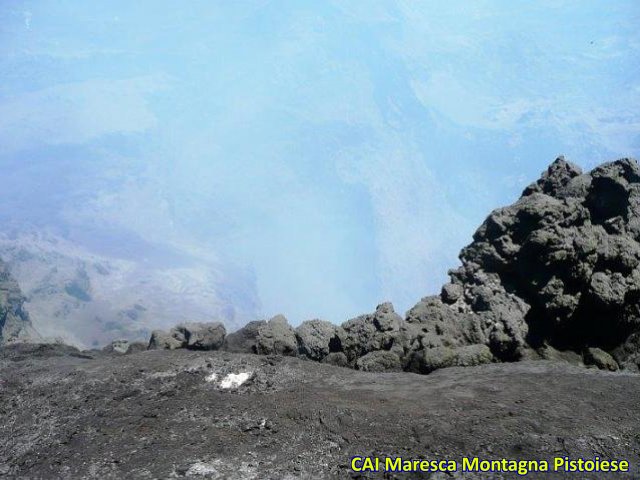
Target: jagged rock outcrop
15 325
558 267
556 275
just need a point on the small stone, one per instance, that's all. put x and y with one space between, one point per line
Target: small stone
600 359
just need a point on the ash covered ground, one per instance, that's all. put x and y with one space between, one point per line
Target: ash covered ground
159 414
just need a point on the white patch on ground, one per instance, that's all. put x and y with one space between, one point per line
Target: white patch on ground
211 378
202 468
230 469
234 380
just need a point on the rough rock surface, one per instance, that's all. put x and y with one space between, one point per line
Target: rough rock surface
194 336
158 414
379 361
265 338
560 267
244 339
117 346
15 325
164 341
628 354
381 330
337 359
319 338
203 336
276 337
600 359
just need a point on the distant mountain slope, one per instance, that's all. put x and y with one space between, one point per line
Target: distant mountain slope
87 298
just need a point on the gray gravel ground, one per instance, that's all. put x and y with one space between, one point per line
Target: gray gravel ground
153 415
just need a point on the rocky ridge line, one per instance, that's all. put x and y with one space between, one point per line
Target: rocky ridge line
555 275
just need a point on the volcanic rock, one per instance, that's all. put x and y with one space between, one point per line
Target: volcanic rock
379 361
203 336
15 325
560 267
244 339
117 346
319 338
164 341
381 330
337 359
600 358
628 354
193 335
430 359
555 275
275 337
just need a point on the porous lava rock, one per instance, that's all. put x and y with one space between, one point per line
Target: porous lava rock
275 337
560 268
600 359
379 361
318 338
244 339
193 335
203 336
161 340
337 359
381 330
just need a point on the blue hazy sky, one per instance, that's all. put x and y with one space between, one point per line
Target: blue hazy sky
341 152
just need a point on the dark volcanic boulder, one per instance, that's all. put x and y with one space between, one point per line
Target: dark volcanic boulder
15 325
381 330
430 359
560 267
244 340
628 354
202 336
600 359
337 359
275 337
193 335
379 361
319 338
444 335
161 340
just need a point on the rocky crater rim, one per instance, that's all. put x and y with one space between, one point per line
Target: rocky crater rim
555 275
